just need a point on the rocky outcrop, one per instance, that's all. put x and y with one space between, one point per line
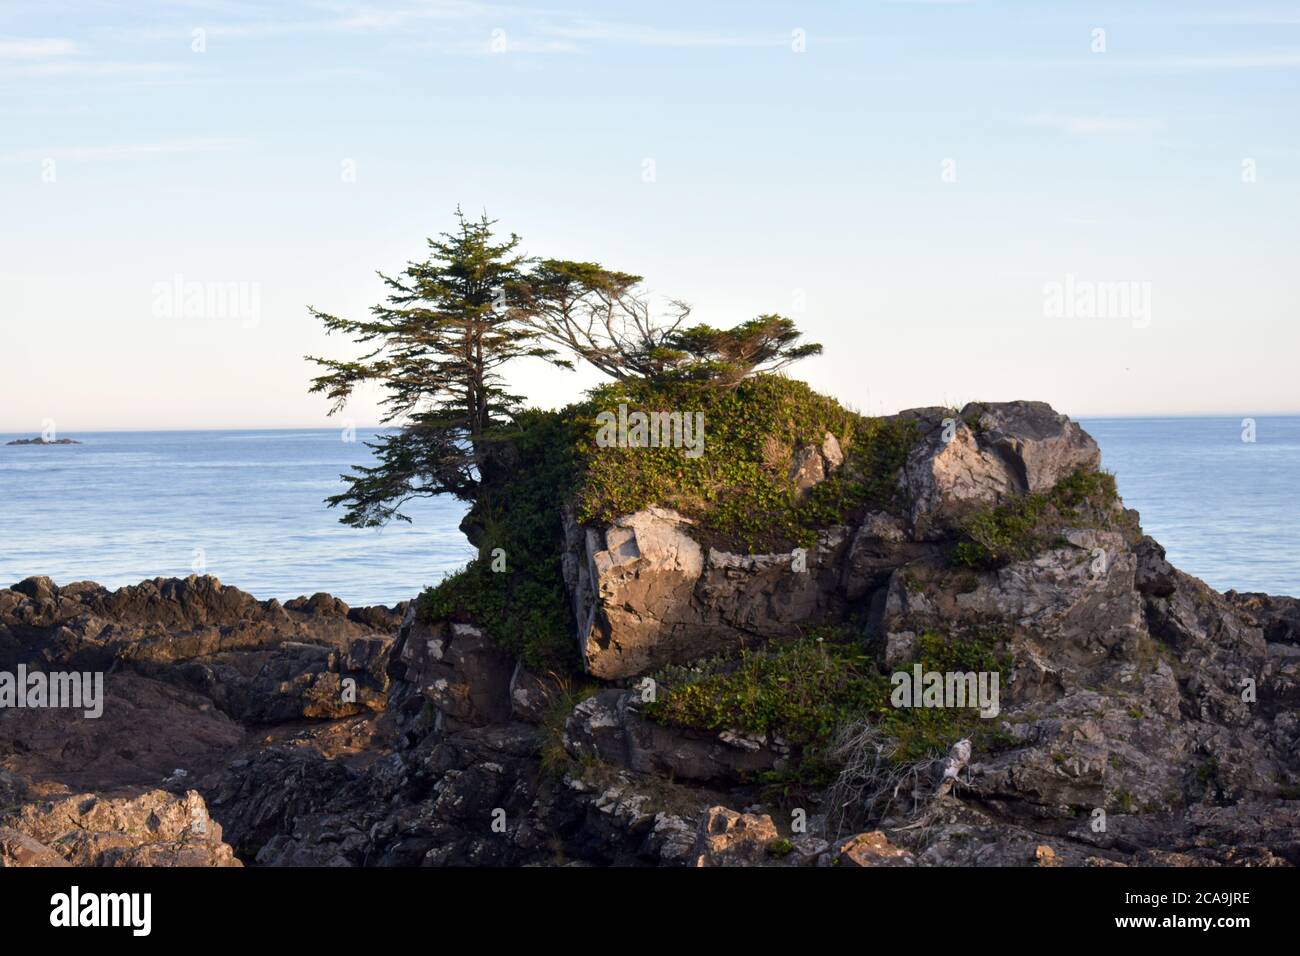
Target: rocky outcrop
652 596
869 850
813 464
728 838
259 661
1144 718
647 594
155 828
985 453
187 667
609 727
461 673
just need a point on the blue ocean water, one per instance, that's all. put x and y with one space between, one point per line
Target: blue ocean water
1225 509
125 506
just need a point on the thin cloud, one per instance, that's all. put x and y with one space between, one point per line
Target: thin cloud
117 151
1228 61
526 30
1089 125
342 18
24 49
89 68
597 31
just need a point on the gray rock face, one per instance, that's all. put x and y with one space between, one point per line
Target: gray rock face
813 464
1016 447
609 727
533 697
460 671
260 661
654 597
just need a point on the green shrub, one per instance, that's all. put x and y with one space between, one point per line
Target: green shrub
807 690
739 489
801 692
524 609
1027 524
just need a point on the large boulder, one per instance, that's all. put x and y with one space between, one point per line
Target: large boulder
648 594
156 828
871 850
460 671
984 454
728 838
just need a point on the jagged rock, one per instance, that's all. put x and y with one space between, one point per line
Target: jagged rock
728 838
1155 577
871 849
814 464
460 671
155 828
643 578
655 598
671 840
609 727
19 849
1041 445
1016 447
532 697
1277 617
879 546
258 660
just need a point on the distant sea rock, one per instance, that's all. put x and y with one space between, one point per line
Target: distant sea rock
44 441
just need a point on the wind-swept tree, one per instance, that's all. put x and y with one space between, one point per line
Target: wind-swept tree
603 317
599 315
436 348
728 356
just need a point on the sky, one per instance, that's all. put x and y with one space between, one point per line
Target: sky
1091 204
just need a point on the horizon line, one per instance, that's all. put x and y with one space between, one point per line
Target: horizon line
1128 416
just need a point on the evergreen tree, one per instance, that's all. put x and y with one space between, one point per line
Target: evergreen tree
436 348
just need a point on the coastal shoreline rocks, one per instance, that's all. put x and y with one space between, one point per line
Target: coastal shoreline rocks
1145 719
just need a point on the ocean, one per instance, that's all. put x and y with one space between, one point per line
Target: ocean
247 507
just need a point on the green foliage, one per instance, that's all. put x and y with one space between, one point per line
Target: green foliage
602 317
1027 524
523 608
780 848
924 731
554 757
805 691
733 490
726 357
801 692
436 349
977 651
739 489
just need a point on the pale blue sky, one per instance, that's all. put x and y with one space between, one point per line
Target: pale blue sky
311 143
